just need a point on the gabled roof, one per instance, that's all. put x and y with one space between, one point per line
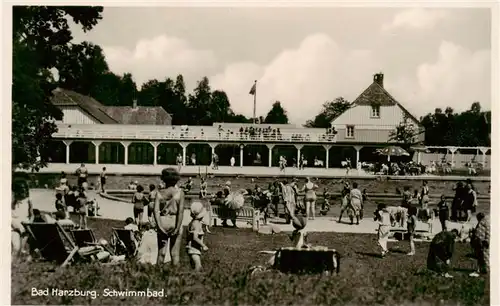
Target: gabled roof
64 97
376 94
140 115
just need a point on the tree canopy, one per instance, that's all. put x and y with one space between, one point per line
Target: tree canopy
41 37
277 114
329 111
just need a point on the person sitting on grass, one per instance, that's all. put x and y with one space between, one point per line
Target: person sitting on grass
441 251
480 243
195 235
130 225
412 225
140 201
384 226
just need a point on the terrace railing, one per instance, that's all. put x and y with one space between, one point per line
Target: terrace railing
159 133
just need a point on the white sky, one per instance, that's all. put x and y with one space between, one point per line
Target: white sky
305 56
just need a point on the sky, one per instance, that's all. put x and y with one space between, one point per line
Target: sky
304 57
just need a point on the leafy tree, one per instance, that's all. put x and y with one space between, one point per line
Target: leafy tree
199 104
107 89
330 111
277 114
405 133
220 109
40 37
81 67
128 90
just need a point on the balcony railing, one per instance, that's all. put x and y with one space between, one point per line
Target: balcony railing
158 133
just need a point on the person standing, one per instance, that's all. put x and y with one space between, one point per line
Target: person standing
102 177
424 193
82 174
310 198
456 206
169 214
356 202
384 227
412 225
481 244
346 191
140 201
443 212
232 161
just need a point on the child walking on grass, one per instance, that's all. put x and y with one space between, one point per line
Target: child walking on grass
384 226
195 235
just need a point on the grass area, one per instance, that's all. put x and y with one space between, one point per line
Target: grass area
364 277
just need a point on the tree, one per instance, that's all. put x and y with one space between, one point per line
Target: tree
277 114
128 90
405 133
81 67
40 37
329 111
199 104
220 109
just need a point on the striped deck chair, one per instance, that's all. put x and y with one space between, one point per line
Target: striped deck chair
55 244
125 242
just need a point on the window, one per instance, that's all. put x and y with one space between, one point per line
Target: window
375 111
349 131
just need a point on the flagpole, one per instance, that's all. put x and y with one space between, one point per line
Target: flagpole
255 103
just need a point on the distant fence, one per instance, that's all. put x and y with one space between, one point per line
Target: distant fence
459 159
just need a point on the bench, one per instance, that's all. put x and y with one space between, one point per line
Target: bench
248 214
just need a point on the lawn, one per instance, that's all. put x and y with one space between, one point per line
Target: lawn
364 277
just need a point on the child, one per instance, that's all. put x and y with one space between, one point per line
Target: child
412 225
129 225
59 203
103 179
81 208
195 234
139 200
203 188
298 237
384 226
443 212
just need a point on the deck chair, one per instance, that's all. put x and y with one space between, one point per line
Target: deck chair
55 244
307 260
86 237
125 242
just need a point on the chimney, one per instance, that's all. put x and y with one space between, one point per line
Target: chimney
379 79
134 103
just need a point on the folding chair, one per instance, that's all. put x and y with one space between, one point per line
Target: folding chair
86 237
125 242
55 244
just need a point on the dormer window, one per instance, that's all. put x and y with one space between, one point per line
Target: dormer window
375 111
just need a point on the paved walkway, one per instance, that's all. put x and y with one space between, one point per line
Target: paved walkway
238 171
43 199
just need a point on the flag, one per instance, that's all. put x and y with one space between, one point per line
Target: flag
253 90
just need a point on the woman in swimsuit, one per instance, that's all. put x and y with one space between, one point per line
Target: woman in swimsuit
310 198
169 213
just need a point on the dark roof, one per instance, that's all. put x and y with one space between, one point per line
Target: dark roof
376 94
64 97
140 115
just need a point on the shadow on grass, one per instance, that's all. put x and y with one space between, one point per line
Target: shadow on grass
375 255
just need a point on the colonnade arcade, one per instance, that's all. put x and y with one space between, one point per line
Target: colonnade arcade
165 153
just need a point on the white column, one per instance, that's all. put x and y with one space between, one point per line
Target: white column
298 152
270 159
327 155
484 151
184 148
419 157
68 144
155 145
241 155
357 148
452 151
96 143
125 146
